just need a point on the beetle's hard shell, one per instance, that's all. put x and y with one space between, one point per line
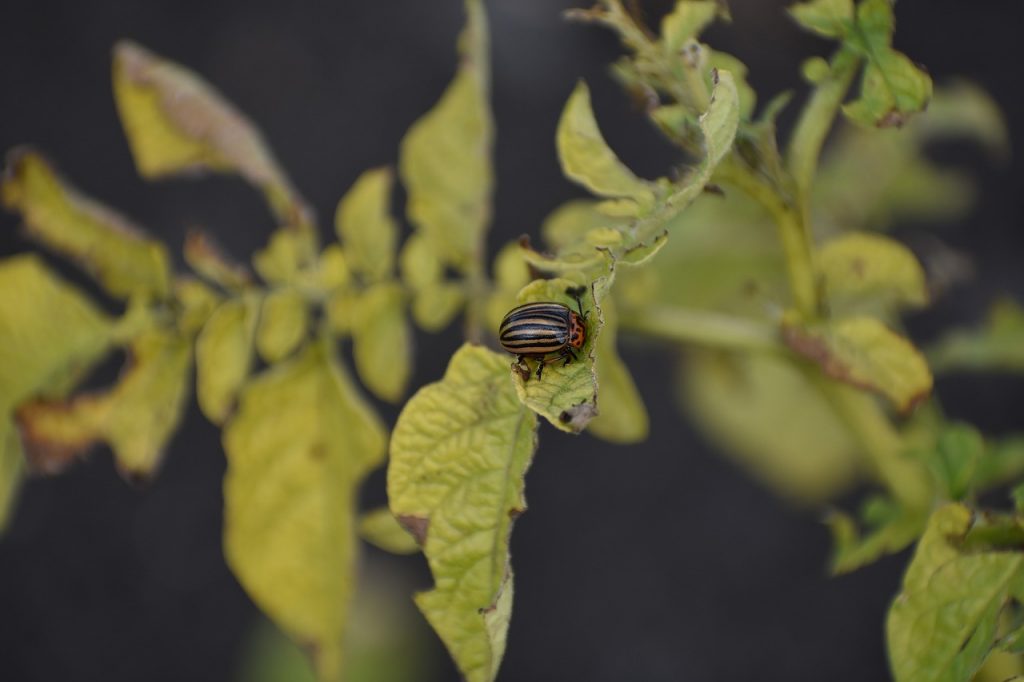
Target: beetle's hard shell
536 329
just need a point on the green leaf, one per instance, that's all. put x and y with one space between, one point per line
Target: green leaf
380 528
865 267
269 656
892 88
205 257
364 225
957 455
863 352
622 417
381 341
893 531
50 334
565 395
942 625
136 417
459 452
177 124
739 401
445 158
686 21
284 321
103 243
297 448
12 469
224 353
587 159
829 18
998 346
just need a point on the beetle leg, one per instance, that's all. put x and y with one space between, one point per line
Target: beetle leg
540 368
568 355
576 292
522 367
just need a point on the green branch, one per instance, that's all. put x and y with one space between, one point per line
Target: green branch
703 328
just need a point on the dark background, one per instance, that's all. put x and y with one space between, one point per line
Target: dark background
658 562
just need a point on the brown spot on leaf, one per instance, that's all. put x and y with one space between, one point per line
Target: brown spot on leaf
892 119
204 253
815 349
416 525
515 512
858 266
318 451
50 451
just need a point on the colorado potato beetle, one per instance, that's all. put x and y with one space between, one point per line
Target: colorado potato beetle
536 330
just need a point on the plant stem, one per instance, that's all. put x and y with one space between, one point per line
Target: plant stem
905 479
794 232
702 328
816 119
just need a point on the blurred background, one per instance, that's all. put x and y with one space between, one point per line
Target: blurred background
655 562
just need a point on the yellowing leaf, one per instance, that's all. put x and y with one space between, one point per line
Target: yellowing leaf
436 305
176 123
136 417
863 352
829 18
205 257
686 21
50 335
871 267
364 224
943 623
419 264
444 159
334 271
569 223
103 243
459 452
297 448
289 252
341 309
12 469
622 417
224 351
587 159
284 321
381 341
380 528
197 301
764 413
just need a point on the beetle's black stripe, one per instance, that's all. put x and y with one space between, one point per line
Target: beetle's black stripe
532 312
535 329
533 341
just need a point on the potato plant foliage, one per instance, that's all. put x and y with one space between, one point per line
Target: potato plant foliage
764 266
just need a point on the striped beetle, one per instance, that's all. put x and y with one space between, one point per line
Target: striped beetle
535 330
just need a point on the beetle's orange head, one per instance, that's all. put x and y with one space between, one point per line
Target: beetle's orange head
577 330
